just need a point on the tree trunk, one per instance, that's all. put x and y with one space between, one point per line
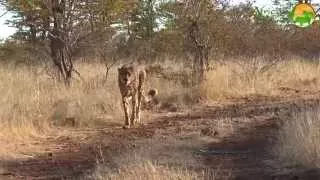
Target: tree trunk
62 61
201 56
60 52
201 62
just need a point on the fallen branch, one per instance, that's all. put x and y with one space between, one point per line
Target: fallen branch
78 74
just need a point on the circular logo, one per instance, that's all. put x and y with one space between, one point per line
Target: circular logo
303 15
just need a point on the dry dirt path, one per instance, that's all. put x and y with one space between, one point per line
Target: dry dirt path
244 130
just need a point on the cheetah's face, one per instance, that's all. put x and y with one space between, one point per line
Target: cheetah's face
126 75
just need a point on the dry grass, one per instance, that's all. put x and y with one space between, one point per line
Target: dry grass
146 171
173 88
31 100
299 140
159 158
256 77
33 103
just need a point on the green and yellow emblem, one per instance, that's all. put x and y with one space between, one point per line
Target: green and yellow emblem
303 14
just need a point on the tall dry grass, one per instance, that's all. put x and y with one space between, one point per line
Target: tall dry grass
299 142
31 101
245 77
33 104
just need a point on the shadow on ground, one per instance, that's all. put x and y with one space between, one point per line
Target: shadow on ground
243 152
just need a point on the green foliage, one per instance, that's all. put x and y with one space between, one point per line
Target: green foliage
291 15
28 17
282 10
167 14
158 27
32 17
261 15
150 16
144 19
116 10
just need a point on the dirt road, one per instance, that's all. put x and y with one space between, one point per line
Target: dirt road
236 138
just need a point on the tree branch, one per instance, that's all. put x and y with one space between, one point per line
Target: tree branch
3 14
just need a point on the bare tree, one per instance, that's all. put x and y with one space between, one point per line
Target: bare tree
199 15
70 25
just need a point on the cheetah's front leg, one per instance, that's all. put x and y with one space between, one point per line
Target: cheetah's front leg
134 108
140 94
126 112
